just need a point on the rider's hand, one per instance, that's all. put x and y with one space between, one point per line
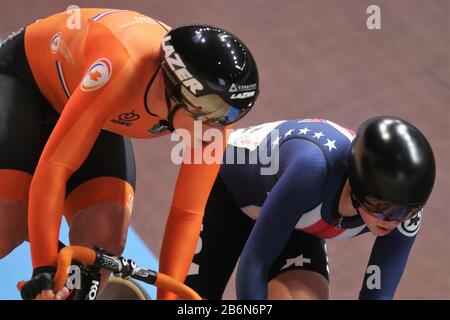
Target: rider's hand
62 294
41 284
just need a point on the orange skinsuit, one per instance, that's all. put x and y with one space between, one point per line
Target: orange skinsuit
96 76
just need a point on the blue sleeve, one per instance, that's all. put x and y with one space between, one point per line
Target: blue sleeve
388 260
299 189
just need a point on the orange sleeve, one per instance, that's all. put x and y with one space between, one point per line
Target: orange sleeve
183 225
68 146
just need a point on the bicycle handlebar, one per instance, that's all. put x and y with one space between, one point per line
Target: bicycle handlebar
120 267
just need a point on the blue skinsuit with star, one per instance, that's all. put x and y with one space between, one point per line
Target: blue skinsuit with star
311 174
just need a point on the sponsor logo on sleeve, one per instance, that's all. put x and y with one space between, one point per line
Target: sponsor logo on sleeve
97 76
55 43
411 226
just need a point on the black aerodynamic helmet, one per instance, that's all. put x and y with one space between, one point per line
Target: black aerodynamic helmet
391 162
209 72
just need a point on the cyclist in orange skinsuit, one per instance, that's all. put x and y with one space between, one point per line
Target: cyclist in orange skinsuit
125 73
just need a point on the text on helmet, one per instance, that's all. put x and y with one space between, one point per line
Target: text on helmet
178 67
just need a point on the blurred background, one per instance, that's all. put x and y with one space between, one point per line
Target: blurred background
317 59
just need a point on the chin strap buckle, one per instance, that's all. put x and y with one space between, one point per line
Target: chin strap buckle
161 127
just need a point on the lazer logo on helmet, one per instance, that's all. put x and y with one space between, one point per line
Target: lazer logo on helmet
177 65
243 95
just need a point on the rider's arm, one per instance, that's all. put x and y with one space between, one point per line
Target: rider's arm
183 225
298 190
68 146
388 260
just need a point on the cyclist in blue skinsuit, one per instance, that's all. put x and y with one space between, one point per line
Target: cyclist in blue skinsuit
329 184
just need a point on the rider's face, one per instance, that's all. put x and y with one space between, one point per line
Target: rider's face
377 227
183 120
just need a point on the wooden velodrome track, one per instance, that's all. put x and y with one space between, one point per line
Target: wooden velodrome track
317 59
